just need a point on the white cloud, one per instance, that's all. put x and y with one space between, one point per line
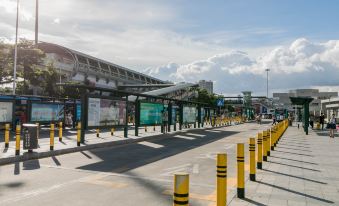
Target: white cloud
300 64
56 21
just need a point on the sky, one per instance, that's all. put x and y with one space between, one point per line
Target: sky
228 42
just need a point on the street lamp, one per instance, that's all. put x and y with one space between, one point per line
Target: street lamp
16 47
267 70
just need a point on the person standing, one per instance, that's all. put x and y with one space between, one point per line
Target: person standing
274 120
332 125
322 120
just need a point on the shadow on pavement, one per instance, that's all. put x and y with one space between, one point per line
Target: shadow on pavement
294 149
31 165
304 168
17 168
120 159
293 153
253 202
296 192
288 175
56 161
312 163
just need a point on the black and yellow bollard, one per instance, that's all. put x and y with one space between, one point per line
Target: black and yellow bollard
51 137
17 139
38 130
241 170
259 143
252 158
112 131
78 134
181 190
264 146
6 135
60 131
268 142
98 132
221 179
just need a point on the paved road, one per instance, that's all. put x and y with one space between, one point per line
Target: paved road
136 174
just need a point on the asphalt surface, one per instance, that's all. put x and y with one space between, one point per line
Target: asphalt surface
135 174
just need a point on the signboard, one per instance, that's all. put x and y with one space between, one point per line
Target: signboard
151 113
220 102
6 112
46 112
106 112
174 115
189 114
202 114
30 138
78 112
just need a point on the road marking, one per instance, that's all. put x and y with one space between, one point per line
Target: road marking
150 144
216 131
187 168
196 135
195 169
184 137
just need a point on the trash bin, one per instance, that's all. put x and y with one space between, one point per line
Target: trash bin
30 136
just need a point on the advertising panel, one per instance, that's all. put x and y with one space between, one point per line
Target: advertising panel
42 112
78 112
151 113
6 112
106 112
202 114
189 114
174 115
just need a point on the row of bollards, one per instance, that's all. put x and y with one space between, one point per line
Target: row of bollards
266 142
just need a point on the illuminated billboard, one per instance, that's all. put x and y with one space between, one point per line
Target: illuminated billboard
151 113
47 112
189 114
106 112
6 112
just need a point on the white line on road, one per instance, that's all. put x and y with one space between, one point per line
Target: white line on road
150 144
216 131
196 135
184 137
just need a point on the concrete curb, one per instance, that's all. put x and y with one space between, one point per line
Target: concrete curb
35 155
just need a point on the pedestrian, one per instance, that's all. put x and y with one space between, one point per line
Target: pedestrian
164 120
274 120
332 125
322 120
312 121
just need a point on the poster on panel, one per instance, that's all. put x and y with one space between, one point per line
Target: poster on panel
151 113
6 112
189 114
41 112
106 112
202 114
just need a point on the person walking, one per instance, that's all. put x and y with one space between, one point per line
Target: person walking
322 120
274 120
332 125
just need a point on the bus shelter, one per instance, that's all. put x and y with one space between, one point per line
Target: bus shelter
305 103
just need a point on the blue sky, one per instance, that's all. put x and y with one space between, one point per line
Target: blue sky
187 40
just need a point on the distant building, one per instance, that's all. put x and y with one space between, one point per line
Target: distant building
282 100
208 85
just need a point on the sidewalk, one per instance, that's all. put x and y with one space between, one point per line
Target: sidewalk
69 142
303 170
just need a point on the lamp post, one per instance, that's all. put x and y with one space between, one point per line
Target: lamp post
16 47
267 70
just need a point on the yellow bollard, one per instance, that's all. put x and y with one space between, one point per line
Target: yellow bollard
17 139
268 142
221 179
78 134
6 135
60 131
259 143
181 190
241 170
252 158
51 137
112 131
264 136
98 132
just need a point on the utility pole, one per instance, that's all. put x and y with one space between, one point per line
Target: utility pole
16 46
267 70
36 22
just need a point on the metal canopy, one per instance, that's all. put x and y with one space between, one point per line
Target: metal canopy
305 102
